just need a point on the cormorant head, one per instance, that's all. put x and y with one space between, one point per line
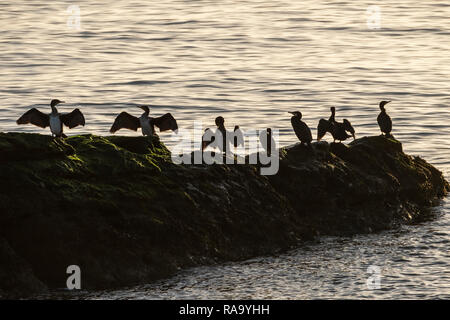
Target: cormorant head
54 103
383 103
269 131
333 110
220 121
348 127
145 108
296 114
236 128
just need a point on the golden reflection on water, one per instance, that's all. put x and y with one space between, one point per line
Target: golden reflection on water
250 61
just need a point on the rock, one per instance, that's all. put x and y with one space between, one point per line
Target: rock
121 210
16 276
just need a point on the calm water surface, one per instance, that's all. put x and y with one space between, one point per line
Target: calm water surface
251 62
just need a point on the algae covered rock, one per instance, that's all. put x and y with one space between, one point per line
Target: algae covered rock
122 211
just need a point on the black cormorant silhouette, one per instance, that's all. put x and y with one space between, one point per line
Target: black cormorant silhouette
383 119
220 123
340 129
238 137
267 141
326 125
54 120
147 124
301 129
207 141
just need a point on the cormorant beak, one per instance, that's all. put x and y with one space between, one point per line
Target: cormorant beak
290 112
145 108
62 102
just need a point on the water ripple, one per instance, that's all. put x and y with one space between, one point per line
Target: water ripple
251 62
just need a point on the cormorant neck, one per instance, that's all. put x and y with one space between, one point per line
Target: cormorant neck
146 112
54 110
333 112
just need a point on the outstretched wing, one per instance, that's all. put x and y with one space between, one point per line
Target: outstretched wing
238 138
267 141
165 122
323 127
73 119
348 127
34 116
125 121
205 141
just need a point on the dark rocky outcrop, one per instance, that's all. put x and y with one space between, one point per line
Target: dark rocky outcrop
121 210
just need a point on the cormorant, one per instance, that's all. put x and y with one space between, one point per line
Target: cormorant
205 142
326 125
383 119
147 124
220 123
267 141
238 137
340 129
54 120
301 129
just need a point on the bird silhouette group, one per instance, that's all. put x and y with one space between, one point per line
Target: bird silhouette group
340 131
124 120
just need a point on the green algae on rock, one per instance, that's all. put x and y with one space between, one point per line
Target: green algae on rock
121 210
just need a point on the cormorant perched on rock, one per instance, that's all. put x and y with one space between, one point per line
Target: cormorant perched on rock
326 125
383 119
340 131
301 129
126 121
238 137
206 142
267 141
55 119
220 123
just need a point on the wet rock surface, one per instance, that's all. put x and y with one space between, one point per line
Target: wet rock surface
122 211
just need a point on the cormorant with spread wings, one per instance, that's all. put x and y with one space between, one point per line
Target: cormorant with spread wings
147 124
54 120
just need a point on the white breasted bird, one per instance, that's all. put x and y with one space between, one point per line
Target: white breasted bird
54 120
147 124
